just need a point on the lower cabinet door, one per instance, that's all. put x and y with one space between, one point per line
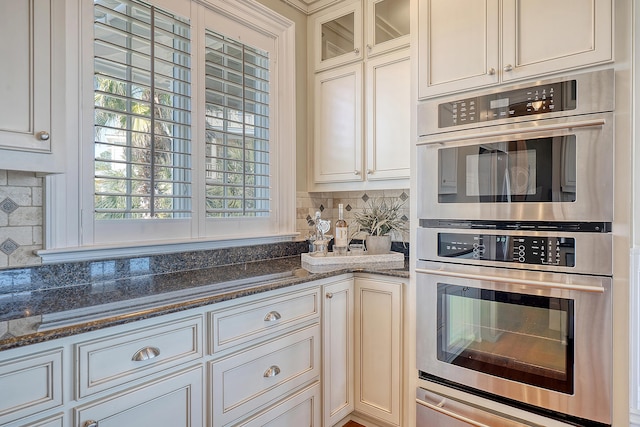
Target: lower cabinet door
174 401
29 383
301 409
378 331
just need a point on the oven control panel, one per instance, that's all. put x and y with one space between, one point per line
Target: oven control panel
540 99
547 250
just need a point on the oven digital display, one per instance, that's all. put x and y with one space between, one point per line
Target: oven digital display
541 99
557 251
499 103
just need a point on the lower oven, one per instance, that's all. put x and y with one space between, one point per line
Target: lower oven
533 339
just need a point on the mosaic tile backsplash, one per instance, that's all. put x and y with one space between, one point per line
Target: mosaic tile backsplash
353 202
21 218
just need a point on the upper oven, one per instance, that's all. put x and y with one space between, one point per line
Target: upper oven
541 151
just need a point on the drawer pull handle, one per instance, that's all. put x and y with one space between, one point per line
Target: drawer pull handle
90 423
146 354
272 316
271 372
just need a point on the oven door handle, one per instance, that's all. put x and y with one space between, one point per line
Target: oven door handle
542 128
556 285
440 408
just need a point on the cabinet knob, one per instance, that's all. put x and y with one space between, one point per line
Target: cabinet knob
356 173
90 423
369 47
492 71
272 316
329 295
271 372
42 135
508 68
356 51
145 354
369 171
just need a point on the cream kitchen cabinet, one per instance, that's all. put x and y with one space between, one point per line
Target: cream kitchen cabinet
31 130
340 35
252 379
175 400
378 348
338 351
361 106
346 103
465 44
301 409
30 383
265 350
337 36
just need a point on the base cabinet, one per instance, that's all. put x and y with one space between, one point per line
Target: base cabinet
378 349
321 352
301 409
337 351
172 401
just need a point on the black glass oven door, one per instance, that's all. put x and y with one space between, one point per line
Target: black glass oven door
528 170
524 338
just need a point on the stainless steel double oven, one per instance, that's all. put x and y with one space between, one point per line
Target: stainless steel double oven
514 269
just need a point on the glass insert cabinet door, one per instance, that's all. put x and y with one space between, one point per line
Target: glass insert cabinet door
338 36
388 25
521 337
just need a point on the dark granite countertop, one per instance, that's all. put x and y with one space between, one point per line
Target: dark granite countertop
34 309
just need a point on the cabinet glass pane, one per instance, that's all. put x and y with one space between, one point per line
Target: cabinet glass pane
391 20
338 36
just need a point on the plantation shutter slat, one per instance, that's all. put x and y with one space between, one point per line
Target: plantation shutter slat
142 117
237 129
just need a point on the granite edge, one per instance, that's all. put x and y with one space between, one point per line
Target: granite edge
11 342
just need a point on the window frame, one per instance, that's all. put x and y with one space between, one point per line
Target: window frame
71 231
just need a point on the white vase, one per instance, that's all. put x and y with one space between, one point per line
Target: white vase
378 245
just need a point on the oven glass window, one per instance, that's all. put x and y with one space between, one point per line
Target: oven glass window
524 338
528 170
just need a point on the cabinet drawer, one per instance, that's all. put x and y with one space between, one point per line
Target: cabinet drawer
242 323
30 384
174 400
301 409
107 362
248 380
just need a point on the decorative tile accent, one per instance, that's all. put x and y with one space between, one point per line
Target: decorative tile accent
348 208
404 196
9 246
404 218
365 198
321 208
8 206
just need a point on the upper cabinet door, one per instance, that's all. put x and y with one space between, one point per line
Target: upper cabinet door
25 88
338 138
388 124
388 25
458 45
338 36
545 36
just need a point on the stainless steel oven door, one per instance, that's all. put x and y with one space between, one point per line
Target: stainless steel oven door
538 338
547 170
